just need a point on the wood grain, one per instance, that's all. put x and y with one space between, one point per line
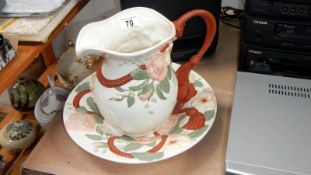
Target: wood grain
28 51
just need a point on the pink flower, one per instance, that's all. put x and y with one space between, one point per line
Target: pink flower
177 142
168 125
157 66
80 122
148 139
204 101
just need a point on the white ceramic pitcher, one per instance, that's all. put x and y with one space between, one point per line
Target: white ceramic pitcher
135 87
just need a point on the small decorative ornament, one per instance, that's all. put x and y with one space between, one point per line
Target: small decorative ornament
89 61
25 93
70 70
49 104
17 135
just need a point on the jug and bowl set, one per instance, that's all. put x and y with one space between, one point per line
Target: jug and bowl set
137 95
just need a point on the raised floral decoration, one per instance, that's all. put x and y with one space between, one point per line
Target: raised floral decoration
80 122
204 101
157 66
171 136
154 79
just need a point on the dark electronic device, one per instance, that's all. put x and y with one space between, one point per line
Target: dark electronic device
280 33
276 38
280 8
273 61
194 32
271 108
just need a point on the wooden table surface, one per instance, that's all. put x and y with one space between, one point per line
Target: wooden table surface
56 153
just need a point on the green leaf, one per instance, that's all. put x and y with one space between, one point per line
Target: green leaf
138 87
126 138
119 89
198 83
165 85
139 74
169 73
105 145
90 102
99 131
160 93
176 130
82 110
181 118
132 147
198 132
101 144
153 99
209 115
130 101
98 119
146 156
152 144
94 136
82 87
146 89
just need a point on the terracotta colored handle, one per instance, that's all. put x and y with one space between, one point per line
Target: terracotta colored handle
210 30
186 90
183 71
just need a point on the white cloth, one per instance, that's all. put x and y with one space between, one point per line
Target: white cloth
31 6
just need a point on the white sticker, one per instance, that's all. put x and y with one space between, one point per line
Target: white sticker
129 23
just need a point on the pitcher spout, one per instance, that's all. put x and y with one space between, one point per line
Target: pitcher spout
130 33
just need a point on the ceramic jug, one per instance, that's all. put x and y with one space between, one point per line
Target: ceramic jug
135 86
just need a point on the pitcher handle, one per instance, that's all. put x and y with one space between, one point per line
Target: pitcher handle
210 22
